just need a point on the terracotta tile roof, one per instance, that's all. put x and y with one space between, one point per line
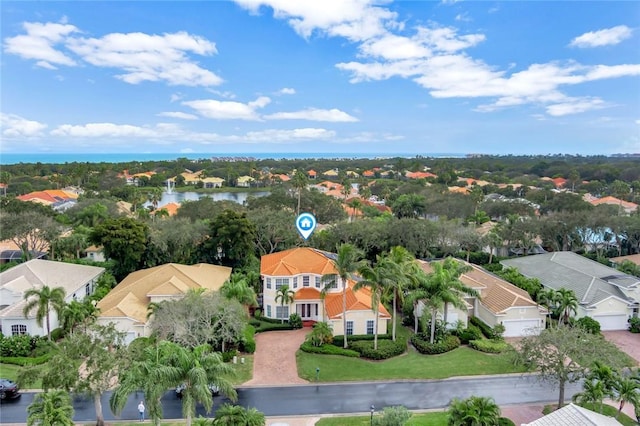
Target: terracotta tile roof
614 201
171 208
356 301
48 196
307 293
368 173
312 173
419 175
297 261
131 297
634 258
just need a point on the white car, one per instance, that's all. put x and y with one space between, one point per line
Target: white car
215 390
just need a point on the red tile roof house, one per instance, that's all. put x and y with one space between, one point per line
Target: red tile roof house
302 270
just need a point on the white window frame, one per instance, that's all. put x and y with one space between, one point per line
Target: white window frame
306 281
282 312
268 311
371 325
349 330
268 279
281 281
18 329
295 282
318 281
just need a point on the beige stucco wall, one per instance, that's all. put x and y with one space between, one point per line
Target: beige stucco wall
610 306
633 293
359 319
486 315
517 313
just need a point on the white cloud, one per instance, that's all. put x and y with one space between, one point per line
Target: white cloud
178 114
176 97
141 57
314 114
38 43
606 37
575 106
287 91
463 17
14 126
228 110
104 130
280 135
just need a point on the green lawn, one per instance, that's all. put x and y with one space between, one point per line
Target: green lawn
10 371
413 365
423 419
244 371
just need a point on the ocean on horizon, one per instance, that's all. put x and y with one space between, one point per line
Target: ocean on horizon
88 157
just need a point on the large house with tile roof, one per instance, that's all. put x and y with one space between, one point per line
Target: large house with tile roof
58 199
78 281
302 270
604 294
126 305
500 302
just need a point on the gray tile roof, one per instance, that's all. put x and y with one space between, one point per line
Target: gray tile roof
591 281
573 415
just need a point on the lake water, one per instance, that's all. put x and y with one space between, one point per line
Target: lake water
238 197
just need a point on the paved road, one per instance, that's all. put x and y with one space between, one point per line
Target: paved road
336 398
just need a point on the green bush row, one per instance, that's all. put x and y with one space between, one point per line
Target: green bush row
24 361
421 342
634 325
486 330
328 349
386 348
489 346
470 333
339 340
248 339
19 346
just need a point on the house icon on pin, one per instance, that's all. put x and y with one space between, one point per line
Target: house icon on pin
305 223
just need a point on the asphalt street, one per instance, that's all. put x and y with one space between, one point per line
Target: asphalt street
333 398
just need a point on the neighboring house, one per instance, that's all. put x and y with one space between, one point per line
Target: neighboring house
95 253
244 181
633 258
78 281
333 173
312 174
574 415
302 270
500 302
212 182
604 294
126 304
58 199
171 208
627 206
419 175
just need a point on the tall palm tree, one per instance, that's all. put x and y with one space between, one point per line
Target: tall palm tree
549 299
378 279
286 296
566 304
237 415
593 392
347 263
299 181
51 408
626 390
417 292
44 300
236 287
77 313
474 411
407 272
197 369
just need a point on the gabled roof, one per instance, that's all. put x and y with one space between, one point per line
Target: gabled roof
48 196
627 205
419 175
131 297
633 258
38 273
573 415
297 261
171 208
356 301
592 282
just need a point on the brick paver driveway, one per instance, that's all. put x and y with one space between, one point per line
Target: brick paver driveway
625 341
274 362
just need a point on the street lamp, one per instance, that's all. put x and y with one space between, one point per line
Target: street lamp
317 374
372 411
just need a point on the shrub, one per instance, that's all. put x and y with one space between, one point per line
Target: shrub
497 332
386 348
257 314
339 340
57 334
392 416
43 347
589 324
328 350
25 361
16 346
470 333
486 330
422 345
504 421
320 334
634 325
489 346
228 355
295 321
248 342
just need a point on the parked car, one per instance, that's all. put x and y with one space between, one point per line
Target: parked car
215 390
8 390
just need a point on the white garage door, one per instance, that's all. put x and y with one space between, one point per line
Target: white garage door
518 328
612 322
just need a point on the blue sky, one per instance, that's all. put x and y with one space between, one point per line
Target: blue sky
331 76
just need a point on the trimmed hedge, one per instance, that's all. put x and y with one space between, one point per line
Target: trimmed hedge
264 325
386 348
339 340
248 342
486 330
421 343
470 333
328 349
504 421
25 361
489 346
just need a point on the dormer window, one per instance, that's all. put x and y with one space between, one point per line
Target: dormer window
305 280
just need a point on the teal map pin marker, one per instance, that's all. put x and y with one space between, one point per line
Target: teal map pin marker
306 223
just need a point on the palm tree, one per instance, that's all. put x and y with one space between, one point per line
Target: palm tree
299 181
236 287
407 271
197 369
286 296
593 392
44 299
494 241
52 408
566 304
320 334
77 313
474 411
549 299
347 263
378 279
154 196
602 373
417 293
237 415
626 390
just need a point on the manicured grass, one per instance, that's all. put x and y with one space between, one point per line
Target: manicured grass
607 410
423 419
413 365
10 371
244 372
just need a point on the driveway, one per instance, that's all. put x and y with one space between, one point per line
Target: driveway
626 342
274 362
